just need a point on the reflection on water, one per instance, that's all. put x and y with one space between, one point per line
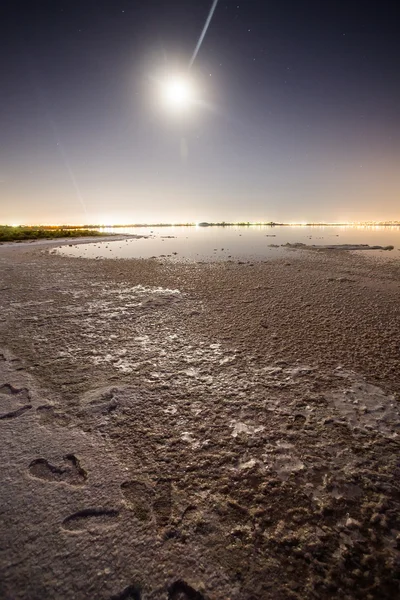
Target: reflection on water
230 243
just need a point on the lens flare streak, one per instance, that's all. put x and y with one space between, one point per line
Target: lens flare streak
203 33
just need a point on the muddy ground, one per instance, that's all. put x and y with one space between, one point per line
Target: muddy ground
206 431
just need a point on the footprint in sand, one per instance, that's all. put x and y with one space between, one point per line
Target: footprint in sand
91 519
146 501
9 394
180 590
130 593
9 390
16 413
48 416
71 472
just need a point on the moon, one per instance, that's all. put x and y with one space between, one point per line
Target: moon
177 93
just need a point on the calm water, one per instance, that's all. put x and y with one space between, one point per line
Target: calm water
231 243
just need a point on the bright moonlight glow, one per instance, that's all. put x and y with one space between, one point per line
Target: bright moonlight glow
178 93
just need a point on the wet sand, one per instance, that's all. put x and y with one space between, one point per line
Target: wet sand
188 431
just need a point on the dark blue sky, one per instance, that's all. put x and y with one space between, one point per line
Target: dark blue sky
297 116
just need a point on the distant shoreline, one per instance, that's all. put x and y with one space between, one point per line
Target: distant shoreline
56 230
249 224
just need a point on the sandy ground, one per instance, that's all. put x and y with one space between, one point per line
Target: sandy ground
220 431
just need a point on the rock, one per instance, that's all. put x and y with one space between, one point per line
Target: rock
352 523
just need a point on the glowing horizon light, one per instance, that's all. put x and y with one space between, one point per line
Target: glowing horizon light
178 93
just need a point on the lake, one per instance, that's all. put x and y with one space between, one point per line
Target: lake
231 243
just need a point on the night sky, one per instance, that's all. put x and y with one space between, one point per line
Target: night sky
296 114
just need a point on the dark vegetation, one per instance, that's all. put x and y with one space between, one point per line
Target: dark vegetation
23 233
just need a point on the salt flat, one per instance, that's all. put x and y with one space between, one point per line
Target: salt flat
215 430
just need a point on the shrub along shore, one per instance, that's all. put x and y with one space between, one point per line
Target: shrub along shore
21 233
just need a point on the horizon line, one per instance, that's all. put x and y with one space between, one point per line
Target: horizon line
211 224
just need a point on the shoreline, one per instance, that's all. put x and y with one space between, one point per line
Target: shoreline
68 241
